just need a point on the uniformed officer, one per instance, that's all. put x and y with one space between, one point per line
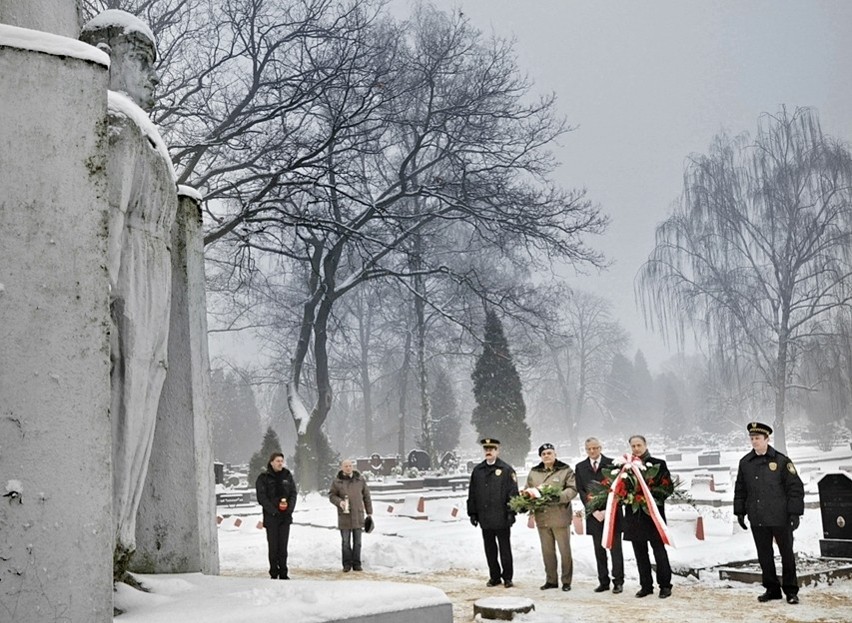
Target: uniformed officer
492 483
770 492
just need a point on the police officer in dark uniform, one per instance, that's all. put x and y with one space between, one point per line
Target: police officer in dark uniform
770 492
492 483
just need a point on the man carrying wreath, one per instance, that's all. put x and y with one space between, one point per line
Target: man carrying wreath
641 526
554 519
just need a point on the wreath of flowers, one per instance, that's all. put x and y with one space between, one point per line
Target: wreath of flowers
548 495
629 492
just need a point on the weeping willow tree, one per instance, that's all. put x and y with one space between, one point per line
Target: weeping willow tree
757 250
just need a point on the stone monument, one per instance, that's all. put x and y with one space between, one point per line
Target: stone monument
87 201
142 199
56 528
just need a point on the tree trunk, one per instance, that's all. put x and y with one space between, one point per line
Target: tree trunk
364 331
781 391
564 379
426 437
403 392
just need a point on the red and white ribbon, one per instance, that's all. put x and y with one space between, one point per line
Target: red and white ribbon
632 464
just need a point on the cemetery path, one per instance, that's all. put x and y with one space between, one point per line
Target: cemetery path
690 601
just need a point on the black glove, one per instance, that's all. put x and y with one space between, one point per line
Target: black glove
741 521
794 522
474 521
511 519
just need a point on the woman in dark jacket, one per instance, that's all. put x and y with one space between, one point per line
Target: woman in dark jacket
276 493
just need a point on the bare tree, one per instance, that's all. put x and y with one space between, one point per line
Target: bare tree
758 248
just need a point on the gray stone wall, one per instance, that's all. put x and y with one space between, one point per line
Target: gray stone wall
56 514
60 17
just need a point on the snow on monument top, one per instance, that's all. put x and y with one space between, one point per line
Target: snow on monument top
48 43
120 19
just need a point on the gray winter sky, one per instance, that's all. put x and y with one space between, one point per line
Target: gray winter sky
648 83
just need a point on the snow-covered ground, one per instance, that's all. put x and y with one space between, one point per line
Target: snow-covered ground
444 544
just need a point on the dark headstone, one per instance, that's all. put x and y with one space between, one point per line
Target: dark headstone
835 505
709 458
673 457
470 466
419 459
219 473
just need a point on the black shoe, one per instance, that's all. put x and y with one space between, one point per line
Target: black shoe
769 596
601 588
490 583
792 599
357 568
548 585
346 568
566 587
274 577
617 588
665 592
508 584
644 592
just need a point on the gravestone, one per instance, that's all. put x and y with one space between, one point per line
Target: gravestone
835 504
419 459
709 458
449 461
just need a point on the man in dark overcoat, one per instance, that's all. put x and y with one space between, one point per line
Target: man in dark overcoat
640 530
492 483
593 469
769 490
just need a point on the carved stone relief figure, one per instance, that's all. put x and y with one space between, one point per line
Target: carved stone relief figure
143 201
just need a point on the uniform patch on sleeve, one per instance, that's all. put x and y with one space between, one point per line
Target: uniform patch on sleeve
791 468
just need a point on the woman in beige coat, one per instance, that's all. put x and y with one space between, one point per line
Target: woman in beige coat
554 520
351 496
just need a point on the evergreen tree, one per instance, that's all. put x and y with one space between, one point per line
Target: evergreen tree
260 458
618 400
642 392
235 418
446 425
675 423
500 411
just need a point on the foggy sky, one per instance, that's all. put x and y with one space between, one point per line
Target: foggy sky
648 83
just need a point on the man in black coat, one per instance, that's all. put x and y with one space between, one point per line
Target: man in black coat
276 493
492 483
640 530
770 492
592 470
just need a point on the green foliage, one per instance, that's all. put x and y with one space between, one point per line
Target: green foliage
500 411
260 459
523 504
236 419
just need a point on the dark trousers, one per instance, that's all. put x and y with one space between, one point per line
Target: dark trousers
661 557
351 548
492 539
277 537
595 528
763 536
